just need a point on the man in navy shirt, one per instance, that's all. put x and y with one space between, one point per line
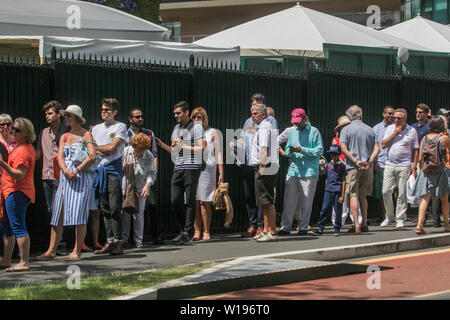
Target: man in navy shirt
421 126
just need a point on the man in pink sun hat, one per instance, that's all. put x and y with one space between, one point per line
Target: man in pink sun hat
304 148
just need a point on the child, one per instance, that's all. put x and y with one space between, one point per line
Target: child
334 190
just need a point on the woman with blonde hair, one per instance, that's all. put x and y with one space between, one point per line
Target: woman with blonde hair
207 181
18 191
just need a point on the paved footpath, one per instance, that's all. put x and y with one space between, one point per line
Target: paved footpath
230 246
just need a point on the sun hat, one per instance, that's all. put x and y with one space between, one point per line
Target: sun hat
342 122
75 110
297 115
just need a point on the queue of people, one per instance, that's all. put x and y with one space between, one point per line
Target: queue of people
110 169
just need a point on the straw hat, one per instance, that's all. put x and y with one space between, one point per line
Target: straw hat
75 110
342 122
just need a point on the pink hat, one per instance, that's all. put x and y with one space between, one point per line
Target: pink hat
298 115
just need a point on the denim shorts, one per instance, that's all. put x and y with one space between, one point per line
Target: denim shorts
16 208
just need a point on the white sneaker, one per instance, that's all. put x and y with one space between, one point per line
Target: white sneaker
400 224
385 222
268 237
258 236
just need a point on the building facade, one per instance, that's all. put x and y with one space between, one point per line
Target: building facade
193 20
437 10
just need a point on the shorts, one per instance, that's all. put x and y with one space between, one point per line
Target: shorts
377 188
265 188
359 182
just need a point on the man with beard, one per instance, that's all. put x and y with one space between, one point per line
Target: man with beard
136 119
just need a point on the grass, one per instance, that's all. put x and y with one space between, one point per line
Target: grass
100 287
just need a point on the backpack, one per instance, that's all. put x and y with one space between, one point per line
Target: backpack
431 155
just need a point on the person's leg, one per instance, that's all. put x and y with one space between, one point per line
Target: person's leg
80 233
177 198
126 225
324 211
402 204
198 221
138 223
291 199
16 206
115 205
206 219
423 210
249 195
9 241
95 225
190 186
363 205
338 209
307 191
387 190
153 214
444 206
269 218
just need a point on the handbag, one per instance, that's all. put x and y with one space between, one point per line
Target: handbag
81 153
131 201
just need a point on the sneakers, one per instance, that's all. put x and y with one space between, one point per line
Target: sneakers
400 224
267 237
337 232
259 236
385 222
319 231
282 232
182 239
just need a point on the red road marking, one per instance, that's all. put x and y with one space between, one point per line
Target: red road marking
412 276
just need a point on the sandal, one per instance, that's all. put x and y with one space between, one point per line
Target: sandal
196 237
45 257
206 236
420 230
16 269
71 257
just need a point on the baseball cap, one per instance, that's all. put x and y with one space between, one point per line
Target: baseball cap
258 96
334 149
297 115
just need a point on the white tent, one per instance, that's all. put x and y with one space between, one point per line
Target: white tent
68 18
430 34
150 51
300 31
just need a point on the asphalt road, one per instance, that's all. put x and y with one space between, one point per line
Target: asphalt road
416 275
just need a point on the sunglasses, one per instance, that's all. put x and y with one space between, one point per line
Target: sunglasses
7 124
139 117
390 113
398 118
14 129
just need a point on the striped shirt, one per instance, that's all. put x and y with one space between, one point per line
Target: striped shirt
185 159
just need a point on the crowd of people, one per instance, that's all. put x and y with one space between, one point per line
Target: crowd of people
109 171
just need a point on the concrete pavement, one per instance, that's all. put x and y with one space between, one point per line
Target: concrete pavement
231 247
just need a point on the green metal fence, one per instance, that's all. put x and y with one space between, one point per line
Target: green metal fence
326 95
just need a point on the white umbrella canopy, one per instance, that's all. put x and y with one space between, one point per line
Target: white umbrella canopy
55 18
301 31
430 34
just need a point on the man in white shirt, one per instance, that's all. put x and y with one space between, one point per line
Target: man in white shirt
400 141
264 156
111 138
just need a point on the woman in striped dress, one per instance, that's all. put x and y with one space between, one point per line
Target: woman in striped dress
71 204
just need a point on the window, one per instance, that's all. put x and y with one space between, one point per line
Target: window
441 11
